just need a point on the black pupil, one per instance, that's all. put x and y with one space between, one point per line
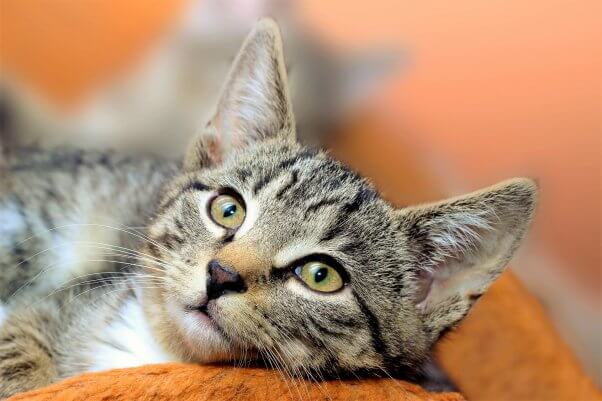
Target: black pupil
229 210
321 274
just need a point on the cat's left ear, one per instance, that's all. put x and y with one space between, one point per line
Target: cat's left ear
254 104
461 245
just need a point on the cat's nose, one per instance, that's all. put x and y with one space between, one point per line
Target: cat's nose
223 279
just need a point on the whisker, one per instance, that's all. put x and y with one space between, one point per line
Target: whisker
136 234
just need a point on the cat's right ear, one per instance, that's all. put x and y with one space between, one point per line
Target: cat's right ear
254 104
461 245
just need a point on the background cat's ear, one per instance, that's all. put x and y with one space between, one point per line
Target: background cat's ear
461 245
254 104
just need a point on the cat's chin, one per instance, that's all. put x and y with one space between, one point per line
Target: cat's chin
201 335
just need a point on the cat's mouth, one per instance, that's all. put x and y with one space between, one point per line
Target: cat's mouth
203 335
202 313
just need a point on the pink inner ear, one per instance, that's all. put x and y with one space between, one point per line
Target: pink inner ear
425 282
443 280
214 147
453 278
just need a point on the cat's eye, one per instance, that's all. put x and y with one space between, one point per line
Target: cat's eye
227 211
319 276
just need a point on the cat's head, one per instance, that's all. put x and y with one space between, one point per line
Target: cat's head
273 249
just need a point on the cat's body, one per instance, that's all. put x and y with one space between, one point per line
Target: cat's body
72 219
256 248
58 208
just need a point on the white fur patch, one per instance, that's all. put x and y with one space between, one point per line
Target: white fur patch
297 250
11 223
251 214
132 340
204 341
203 199
3 313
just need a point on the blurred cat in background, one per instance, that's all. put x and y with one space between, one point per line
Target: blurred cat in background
160 103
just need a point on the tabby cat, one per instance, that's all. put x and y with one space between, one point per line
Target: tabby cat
254 247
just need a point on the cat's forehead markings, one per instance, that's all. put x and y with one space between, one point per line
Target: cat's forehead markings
254 205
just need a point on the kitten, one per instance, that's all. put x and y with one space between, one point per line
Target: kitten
258 248
158 105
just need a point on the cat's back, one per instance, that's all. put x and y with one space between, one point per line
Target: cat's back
63 212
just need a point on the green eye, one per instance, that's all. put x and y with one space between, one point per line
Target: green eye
320 277
227 211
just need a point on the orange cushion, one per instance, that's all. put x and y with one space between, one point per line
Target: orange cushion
199 383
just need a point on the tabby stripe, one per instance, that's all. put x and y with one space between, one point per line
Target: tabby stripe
17 369
362 197
374 326
365 195
332 232
8 339
345 322
153 249
170 238
47 220
243 174
325 330
352 246
323 203
272 174
289 185
265 180
337 176
195 186
41 345
190 187
303 155
11 355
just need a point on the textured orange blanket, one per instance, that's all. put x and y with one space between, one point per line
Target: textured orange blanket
208 383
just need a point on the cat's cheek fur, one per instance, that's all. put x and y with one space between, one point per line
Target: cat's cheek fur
200 337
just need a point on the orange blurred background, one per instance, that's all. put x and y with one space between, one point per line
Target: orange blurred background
491 90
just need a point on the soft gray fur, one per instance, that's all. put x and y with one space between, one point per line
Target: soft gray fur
410 274
58 208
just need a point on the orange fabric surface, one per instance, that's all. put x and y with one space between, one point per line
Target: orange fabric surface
209 383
